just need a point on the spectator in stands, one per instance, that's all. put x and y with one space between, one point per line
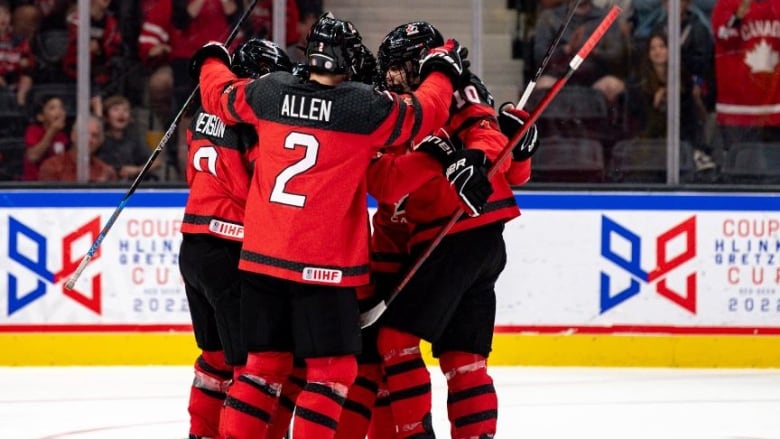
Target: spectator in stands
32 15
16 58
648 100
26 18
128 14
171 32
747 45
654 14
46 137
154 51
105 46
696 43
595 71
62 167
626 15
122 148
131 83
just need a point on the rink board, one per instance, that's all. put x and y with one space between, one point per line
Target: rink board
593 278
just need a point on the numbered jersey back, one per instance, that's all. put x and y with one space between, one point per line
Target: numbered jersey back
218 176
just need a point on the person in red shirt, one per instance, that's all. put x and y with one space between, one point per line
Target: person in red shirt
305 246
219 166
105 45
62 167
170 32
451 300
746 70
16 58
46 136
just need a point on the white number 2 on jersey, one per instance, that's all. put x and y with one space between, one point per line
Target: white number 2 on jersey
310 143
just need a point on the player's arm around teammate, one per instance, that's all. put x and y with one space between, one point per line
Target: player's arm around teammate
317 137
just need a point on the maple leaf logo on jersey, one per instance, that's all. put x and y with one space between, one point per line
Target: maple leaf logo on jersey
762 59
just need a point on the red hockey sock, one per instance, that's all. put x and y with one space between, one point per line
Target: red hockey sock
382 422
254 396
207 394
356 414
318 408
408 381
472 404
291 388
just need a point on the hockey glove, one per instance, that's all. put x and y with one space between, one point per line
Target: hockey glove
467 174
447 59
209 50
439 146
511 120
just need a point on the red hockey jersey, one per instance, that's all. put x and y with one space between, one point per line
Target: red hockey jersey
306 215
747 64
218 176
429 206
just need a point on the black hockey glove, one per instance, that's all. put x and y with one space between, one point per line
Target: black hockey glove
439 146
511 120
209 50
467 174
447 59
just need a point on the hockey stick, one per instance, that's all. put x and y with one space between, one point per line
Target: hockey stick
369 317
145 170
550 50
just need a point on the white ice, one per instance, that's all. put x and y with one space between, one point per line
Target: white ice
535 403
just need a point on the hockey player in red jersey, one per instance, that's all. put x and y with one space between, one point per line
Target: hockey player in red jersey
305 248
218 172
451 300
367 405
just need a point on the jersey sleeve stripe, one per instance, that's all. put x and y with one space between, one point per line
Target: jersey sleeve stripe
417 117
399 121
232 97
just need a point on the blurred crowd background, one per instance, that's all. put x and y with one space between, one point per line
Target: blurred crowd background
609 125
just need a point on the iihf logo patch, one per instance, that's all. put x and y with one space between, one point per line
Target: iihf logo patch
324 275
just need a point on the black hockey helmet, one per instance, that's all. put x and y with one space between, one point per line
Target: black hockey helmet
333 46
367 69
406 44
257 57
